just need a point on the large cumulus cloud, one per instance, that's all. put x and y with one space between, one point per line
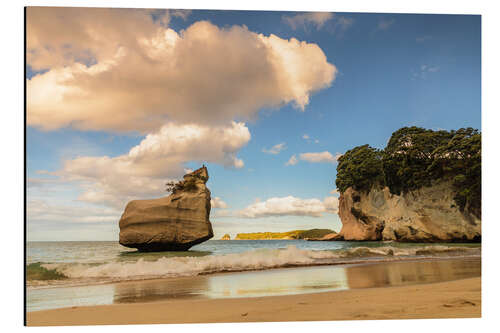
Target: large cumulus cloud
121 70
124 70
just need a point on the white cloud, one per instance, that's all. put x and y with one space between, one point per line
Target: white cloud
292 161
145 74
322 157
317 19
40 210
159 157
182 13
276 149
309 139
217 202
290 206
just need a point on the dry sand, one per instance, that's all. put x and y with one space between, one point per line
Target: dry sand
454 299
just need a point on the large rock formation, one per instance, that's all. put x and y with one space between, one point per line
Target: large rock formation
172 223
425 215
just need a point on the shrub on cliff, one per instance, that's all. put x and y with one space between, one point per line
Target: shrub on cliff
182 185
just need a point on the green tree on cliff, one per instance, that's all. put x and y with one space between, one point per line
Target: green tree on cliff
361 168
408 155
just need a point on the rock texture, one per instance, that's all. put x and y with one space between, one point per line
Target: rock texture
172 223
425 215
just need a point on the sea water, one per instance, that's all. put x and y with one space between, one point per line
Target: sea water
61 274
87 262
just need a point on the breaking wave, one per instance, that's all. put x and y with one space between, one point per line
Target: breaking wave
252 260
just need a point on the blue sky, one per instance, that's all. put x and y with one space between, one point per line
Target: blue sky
393 70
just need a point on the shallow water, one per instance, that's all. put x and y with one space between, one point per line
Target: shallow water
100 252
59 264
283 281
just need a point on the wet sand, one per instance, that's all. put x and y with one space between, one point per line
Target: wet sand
436 289
453 299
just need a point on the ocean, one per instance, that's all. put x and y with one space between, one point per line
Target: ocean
62 274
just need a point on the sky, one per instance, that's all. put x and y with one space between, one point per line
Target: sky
120 101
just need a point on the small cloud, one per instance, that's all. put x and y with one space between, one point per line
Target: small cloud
276 149
330 22
302 20
385 24
292 161
321 157
182 13
309 139
217 202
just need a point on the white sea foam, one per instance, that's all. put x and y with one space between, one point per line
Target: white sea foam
251 260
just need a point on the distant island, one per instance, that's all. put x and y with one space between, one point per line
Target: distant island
294 234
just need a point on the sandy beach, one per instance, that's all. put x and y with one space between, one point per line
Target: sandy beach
453 299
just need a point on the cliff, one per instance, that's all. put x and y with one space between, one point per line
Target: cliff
173 223
429 214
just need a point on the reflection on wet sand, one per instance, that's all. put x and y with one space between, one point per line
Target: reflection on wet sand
300 280
156 290
404 273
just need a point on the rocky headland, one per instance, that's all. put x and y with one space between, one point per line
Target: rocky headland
172 223
425 186
428 214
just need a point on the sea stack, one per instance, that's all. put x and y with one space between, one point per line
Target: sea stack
173 223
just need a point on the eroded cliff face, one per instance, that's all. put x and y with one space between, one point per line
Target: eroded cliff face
172 223
425 215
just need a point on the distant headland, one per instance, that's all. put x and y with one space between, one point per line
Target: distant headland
294 234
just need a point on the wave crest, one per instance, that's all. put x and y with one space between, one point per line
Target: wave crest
252 260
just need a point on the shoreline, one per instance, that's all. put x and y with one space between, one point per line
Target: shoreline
451 299
347 263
